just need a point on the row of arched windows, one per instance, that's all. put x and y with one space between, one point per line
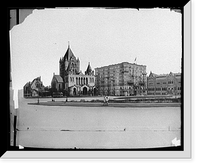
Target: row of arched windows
82 80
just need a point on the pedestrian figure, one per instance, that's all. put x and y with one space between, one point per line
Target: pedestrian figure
106 98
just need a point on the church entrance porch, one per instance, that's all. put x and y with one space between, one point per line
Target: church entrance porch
84 91
74 91
95 91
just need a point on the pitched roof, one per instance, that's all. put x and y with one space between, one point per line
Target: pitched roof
27 84
58 78
68 54
89 69
163 75
38 79
152 74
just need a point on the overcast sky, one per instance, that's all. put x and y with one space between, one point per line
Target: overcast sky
98 36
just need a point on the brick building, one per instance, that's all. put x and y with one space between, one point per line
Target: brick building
122 79
164 84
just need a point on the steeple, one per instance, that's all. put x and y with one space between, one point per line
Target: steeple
68 44
88 70
68 53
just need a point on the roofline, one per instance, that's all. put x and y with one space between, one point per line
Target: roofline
119 64
164 75
57 79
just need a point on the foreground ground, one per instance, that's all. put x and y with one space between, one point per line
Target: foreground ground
49 126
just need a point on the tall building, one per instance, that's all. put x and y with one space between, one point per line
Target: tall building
164 84
123 79
71 80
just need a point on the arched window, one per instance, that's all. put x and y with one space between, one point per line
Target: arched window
86 81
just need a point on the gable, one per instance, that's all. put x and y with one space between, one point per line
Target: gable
58 78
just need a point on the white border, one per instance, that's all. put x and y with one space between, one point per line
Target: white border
186 154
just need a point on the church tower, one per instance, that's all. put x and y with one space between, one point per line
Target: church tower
89 70
74 81
69 64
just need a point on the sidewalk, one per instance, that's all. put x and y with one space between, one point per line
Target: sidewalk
99 104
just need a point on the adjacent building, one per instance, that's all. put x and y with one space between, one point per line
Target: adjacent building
34 88
122 79
71 80
164 84
57 83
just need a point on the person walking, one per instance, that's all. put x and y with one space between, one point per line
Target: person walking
106 99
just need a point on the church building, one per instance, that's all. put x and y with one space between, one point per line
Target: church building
74 82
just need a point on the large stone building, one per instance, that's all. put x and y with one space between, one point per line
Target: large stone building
71 80
123 79
164 84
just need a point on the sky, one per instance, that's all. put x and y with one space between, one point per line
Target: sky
99 36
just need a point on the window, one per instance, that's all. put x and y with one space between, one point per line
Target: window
170 82
150 89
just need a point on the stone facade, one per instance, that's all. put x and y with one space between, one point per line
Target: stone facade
57 83
76 83
123 79
32 89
